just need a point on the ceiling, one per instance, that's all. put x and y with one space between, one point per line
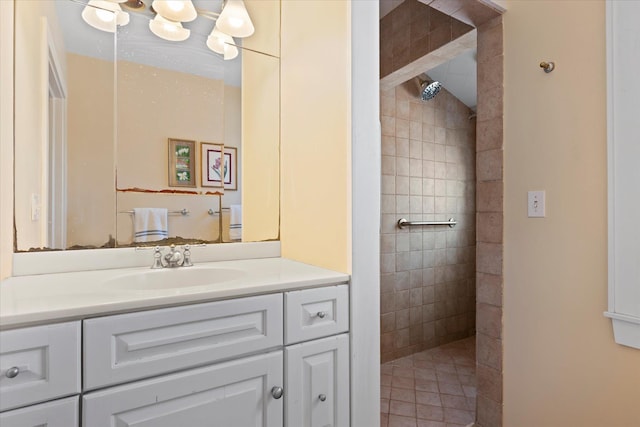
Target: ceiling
136 43
458 75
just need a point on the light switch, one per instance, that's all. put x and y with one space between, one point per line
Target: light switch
535 204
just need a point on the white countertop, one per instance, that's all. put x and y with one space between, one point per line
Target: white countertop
36 299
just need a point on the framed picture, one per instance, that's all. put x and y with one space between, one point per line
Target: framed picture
182 156
211 168
230 155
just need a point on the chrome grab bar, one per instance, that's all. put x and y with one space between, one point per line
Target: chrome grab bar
402 222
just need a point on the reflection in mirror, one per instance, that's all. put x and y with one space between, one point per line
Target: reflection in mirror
173 97
133 122
54 101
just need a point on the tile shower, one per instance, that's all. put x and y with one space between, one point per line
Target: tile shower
428 173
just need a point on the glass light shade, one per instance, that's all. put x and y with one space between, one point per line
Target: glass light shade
234 19
175 10
104 15
222 43
230 52
168 30
217 41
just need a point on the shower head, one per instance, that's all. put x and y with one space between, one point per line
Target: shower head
428 89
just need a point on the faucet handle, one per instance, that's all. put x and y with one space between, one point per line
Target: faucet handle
157 258
187 256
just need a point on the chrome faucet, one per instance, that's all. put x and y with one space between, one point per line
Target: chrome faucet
173 259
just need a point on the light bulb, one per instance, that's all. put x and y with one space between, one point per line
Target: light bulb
168 30
104 15
235 22
175 10
174 5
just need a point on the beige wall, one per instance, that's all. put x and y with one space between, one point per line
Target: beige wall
561 365
261 146
156 104
261 123
90 152
316 133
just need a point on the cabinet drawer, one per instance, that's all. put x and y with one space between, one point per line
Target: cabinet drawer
137 345
46 360
59 413
229 394
316 313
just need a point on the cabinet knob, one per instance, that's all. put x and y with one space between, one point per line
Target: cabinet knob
277 392
321 314
12 372
322 397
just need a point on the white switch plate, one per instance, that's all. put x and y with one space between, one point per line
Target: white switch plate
535 204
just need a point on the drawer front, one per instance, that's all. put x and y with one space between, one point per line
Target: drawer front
229 394
38 364
137 345
59 413
315 313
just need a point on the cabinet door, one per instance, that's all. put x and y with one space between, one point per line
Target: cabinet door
317 392
59 413
231 394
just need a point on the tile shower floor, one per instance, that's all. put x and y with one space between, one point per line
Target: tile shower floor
433 388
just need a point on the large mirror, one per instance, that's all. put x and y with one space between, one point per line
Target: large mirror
124 138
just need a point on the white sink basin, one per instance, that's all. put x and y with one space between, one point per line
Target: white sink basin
173 278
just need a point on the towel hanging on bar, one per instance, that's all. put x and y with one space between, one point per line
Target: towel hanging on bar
150 224
235 223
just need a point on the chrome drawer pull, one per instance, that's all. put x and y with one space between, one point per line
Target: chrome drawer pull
322 397
277 392
12 372
321 314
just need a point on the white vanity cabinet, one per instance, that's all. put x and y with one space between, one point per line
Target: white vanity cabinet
224 363
317 380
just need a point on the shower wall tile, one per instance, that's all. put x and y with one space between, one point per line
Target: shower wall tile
490 132
489 165
431 291
411 31
489 352
489 289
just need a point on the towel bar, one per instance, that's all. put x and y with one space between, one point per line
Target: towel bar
402 222
181 212
212 212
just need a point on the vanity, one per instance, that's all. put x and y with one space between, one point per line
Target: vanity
262 342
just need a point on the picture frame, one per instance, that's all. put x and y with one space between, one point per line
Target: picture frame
182 156
231 168
210 164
